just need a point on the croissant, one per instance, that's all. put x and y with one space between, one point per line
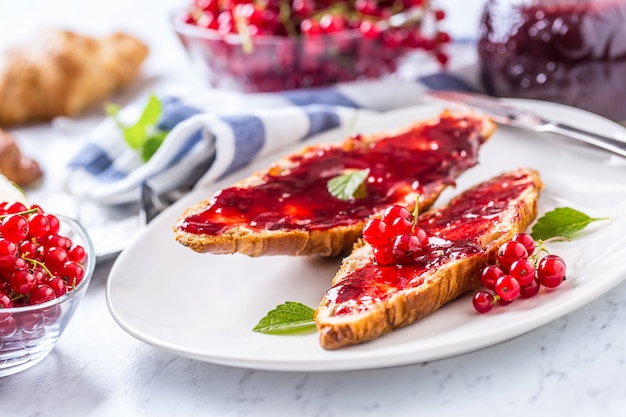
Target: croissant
62 73
14 165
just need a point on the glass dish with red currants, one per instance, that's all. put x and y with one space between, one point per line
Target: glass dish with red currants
46 263
274 45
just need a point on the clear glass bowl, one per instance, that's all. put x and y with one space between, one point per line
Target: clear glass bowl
28 334
275 63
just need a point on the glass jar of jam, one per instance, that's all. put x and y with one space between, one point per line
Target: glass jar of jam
566 51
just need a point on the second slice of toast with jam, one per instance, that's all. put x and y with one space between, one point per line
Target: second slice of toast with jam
368 300
288 209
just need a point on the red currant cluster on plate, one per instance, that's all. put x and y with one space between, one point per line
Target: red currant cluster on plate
37 264
520 272
395 237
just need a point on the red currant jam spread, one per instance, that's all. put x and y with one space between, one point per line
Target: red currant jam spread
418 159
456 233
566 51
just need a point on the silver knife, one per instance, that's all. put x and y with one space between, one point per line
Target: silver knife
506 114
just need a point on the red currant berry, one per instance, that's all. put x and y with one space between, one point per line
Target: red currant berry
39 224
37 208
332 23
22 281
523 271
74 272
421 236
490 275
531 289
503 302
394 212
58 285
15 207
40 275
55 258
442 58
510 252
28 249
51 314
5 301
383 255
526 240
551 271
8 253
483 301
21 264
31 322
8 326
405 249
41 294
369 29
310 27
57 241
401 226
507 288
78 254
53 222
14 227
375 232
443 37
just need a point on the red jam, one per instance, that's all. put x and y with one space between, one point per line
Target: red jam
419 159
456 233
567 51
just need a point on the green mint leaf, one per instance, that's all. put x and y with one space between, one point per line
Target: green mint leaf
151 145
349 185
151 113
143 136
135 135
561 222
288 318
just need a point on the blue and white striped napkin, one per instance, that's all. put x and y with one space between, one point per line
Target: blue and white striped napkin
214 133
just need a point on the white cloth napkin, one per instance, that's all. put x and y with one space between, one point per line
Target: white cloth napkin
214 133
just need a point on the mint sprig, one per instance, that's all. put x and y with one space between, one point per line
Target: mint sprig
144 135
349 185
561 222
288 318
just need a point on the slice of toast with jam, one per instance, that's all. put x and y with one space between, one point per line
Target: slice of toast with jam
367 300
288 209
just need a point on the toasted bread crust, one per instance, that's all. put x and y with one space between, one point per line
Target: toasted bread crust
440 286
329 242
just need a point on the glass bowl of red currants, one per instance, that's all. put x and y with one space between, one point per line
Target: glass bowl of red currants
276 45
46 263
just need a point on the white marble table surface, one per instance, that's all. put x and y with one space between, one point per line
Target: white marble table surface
573 366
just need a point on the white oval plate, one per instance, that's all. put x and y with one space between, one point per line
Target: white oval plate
204 306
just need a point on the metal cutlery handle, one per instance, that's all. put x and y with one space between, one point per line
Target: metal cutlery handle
609 144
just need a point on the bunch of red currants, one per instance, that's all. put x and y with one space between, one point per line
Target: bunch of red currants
523 267
375 19
395 238
37 264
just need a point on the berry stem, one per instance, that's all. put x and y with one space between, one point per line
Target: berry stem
21 213
241 24
416 212
38 263
284 15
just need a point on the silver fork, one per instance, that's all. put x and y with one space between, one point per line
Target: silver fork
506 114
